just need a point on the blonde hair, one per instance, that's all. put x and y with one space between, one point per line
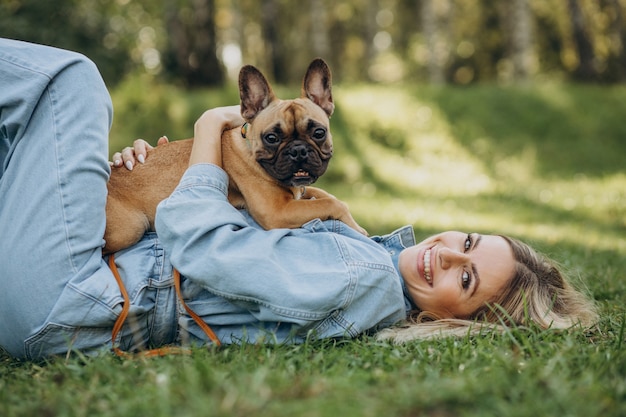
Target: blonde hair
538 294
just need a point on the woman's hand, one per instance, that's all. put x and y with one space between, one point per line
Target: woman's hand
207 147
129 157
207 144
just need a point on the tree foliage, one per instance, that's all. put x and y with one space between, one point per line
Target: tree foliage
201 42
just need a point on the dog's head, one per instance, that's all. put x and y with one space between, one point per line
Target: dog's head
290 139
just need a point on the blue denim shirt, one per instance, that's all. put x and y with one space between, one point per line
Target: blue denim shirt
248 284
322 280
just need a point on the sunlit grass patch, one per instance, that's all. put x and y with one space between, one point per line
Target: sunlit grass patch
406 145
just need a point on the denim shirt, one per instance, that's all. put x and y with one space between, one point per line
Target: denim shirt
248 284
322 280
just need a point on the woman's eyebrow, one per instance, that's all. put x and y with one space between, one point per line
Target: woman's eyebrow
474 270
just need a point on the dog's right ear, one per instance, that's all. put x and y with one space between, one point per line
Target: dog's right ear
254 91
317 85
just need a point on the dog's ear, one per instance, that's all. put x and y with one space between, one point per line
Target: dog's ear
316 85
254 91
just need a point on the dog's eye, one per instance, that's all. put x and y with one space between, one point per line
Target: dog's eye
319 133
271 138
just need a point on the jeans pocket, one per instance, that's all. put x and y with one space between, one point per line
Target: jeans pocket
56 339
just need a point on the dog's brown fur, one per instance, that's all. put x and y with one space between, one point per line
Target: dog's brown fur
274 203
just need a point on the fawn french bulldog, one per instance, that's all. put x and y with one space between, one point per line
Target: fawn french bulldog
284 146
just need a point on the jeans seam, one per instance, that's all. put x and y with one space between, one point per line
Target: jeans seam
50 93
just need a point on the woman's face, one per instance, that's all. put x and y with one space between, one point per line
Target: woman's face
452 274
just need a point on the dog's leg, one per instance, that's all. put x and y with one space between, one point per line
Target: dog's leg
285 211
330 204
126 228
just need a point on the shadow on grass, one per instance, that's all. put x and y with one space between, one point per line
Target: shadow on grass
344 143
572 129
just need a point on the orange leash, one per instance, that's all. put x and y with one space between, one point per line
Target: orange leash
119 323
205 327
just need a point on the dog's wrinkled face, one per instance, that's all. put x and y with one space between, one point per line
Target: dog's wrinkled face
291 140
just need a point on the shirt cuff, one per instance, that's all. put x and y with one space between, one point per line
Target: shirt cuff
205 175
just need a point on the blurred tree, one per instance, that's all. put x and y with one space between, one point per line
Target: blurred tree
455 41
586 68
519 21
275 43
318 28
82 26
369 32
191 51
616 62
550 36
437 45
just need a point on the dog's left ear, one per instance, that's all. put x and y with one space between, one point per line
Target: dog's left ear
316 85
254 91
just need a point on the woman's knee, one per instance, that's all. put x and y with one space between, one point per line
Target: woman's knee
82 84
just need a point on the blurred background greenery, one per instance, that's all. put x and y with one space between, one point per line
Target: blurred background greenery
204 42
474 114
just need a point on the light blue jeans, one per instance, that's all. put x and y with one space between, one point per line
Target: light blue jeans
55 115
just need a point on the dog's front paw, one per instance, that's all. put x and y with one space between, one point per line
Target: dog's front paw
347 218
353 224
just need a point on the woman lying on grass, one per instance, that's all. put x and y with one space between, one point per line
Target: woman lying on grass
453 283
324 280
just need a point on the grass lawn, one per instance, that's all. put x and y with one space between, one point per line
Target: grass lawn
545 164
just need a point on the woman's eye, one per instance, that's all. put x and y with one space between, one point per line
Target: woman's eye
466 280
468 243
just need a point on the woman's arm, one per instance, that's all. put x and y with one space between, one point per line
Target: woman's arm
323 271
207 144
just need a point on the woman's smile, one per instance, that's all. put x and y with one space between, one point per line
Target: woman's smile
426 268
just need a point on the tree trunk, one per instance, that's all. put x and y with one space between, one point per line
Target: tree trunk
270 24
369 32
622 37
586 70
191 51
434 42
617 58
520 22
320 44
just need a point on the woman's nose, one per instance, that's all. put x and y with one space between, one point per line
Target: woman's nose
449 258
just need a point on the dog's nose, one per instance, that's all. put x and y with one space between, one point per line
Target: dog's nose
298 152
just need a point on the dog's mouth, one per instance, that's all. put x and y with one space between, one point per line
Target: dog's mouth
292 176
301 177
302 174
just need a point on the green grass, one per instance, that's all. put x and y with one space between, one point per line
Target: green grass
544 163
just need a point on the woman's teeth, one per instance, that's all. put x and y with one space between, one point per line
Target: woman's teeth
429 279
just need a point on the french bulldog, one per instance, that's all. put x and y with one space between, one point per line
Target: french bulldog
284 146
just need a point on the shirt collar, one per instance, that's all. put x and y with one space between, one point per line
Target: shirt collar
394 243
